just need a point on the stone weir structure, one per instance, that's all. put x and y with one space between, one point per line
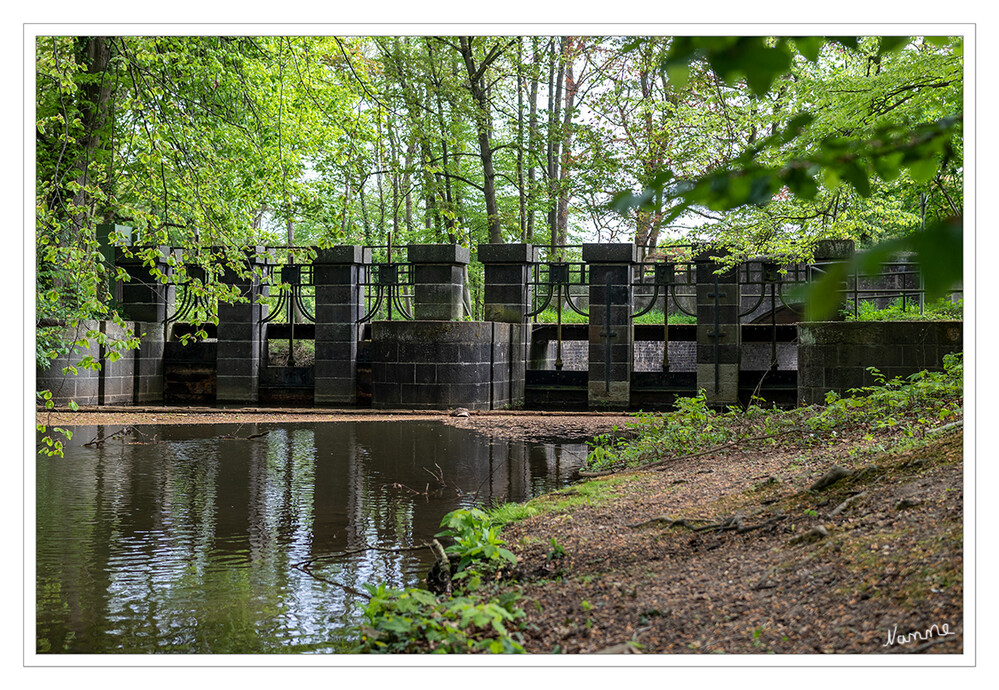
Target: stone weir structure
396 335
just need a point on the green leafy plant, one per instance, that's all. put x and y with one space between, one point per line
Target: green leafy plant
397 621
476 542
692 425
903 406
417 620
557 552
906 403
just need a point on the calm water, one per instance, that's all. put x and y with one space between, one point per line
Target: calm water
177 540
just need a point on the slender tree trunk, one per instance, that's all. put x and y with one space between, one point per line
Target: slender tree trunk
477 86
571 88
554 115
364 216
407 181
520 139
532 146
94 52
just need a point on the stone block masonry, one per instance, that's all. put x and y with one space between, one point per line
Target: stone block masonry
240 336
143 297
443 364
719 341
337 274
611 337
136 377
438 280
834 356
507 298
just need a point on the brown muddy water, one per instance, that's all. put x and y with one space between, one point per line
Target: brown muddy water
201 539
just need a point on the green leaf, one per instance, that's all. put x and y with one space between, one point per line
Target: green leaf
857 176
891 44
940 253
678 75
763 64
809 46
923 170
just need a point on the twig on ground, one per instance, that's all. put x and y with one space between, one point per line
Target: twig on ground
846 504
734 523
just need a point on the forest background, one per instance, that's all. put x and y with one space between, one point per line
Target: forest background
759 144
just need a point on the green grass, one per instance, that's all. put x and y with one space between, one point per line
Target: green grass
589 493
652 317
942 309
904 407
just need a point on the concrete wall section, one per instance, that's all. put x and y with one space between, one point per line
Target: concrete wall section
719 337
834 356
134 377
443 364
240 341
337 272
611 337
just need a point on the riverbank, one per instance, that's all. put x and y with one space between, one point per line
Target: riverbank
509 424
741 552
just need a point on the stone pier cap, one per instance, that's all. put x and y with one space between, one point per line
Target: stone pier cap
607 253
343 254
438 254
515 253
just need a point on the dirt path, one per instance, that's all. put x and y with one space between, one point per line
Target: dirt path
656 563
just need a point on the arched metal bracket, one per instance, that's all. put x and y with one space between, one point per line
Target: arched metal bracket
190 301
388 289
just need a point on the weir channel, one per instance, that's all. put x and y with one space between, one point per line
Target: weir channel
254 538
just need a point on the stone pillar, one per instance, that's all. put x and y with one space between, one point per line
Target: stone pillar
144 297
507 294
611 334
834 250
438 280
507 299
336 274
718 333
240 335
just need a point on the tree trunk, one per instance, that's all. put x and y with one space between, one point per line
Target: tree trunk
93 103
477 87
554 115
520 139
571 88
532 137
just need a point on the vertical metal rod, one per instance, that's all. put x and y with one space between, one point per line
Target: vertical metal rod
607 333
292 303
773 325
666 332
856 293
393 285
717 336
558 330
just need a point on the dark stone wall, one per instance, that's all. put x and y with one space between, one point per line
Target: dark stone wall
143 297
719 336
438 280
610 332
834 356
189 372
444 364
135 377
240 341
337 272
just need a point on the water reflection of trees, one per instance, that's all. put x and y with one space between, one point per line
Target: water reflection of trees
188 544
